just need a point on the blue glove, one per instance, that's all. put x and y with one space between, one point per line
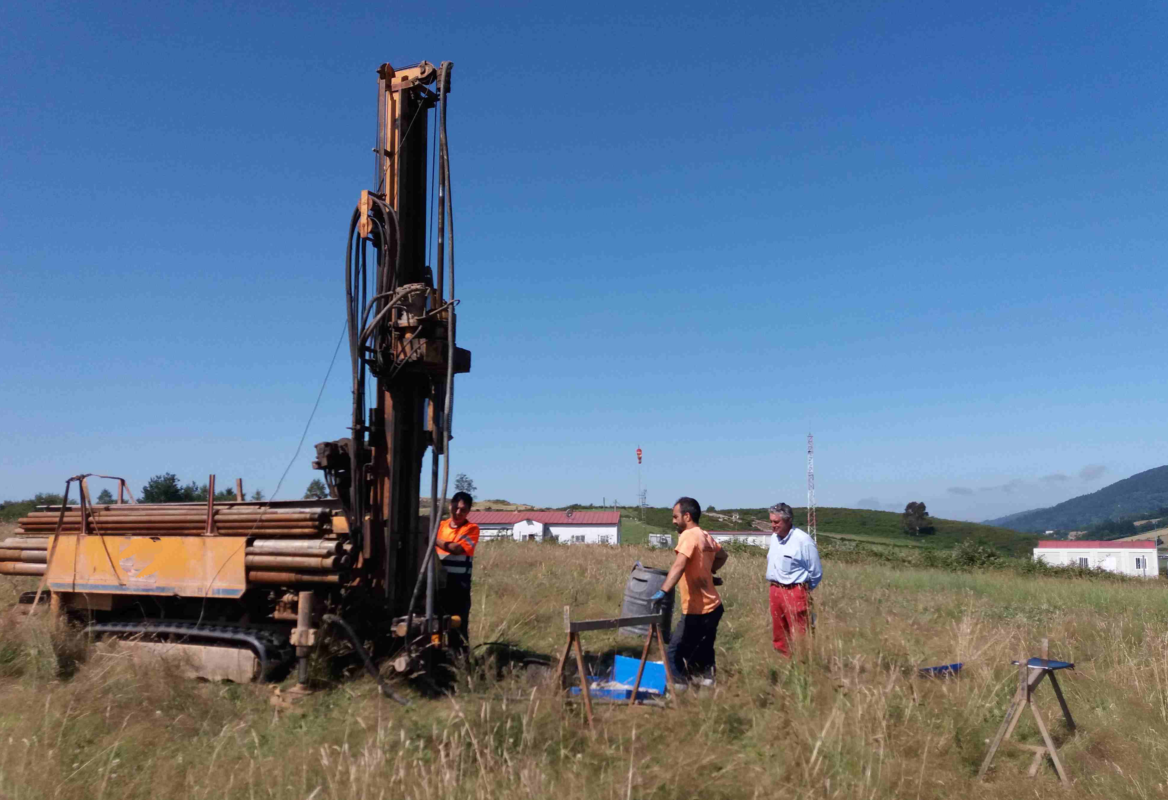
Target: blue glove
658 596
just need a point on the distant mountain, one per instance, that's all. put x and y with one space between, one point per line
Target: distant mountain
1142 492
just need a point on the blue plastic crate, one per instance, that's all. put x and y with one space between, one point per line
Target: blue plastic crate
624 670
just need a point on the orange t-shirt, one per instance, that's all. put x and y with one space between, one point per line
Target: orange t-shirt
466 534
698 595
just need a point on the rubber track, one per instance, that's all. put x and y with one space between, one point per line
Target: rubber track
271 648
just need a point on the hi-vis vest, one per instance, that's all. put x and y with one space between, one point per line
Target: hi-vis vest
466 535
455 565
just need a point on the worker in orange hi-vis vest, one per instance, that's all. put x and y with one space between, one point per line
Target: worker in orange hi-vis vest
457 538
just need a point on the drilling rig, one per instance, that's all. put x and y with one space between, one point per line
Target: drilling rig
242 590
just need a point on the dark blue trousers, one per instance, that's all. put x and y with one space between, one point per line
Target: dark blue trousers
691 650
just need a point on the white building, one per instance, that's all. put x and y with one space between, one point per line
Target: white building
567 527
755 538
1126 558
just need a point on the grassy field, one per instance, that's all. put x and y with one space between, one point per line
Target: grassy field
846 718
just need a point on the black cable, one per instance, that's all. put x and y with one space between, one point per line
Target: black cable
328 619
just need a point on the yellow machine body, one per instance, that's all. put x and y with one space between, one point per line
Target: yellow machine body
173 566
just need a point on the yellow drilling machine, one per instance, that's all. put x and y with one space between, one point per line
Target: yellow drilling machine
243 590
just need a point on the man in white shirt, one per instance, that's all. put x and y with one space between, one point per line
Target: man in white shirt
793 571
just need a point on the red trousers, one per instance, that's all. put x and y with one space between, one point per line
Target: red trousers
789 614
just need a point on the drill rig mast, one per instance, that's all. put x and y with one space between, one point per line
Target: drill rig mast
268 576
402 335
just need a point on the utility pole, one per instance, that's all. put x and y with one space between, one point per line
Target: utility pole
811 522
640 494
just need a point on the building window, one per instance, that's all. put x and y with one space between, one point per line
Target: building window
577 538
1084 563
1140 563
604 538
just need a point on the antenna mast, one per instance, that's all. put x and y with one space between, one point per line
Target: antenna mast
811 522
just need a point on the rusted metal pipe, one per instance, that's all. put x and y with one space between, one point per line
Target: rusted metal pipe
324 547
303 635
308 528
167 516
281 578
251 551
27 556
25 543
15 568
294 562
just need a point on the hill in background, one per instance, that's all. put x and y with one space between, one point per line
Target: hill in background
862 524
1144 492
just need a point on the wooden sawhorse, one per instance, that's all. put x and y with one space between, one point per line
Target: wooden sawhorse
1030 675
574 629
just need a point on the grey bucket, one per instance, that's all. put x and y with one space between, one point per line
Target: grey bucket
642 584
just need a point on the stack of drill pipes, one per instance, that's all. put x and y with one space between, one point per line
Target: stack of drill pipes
24 555
182 521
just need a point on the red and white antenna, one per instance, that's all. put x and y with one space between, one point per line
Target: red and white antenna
811 523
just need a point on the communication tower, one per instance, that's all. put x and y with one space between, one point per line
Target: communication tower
811 523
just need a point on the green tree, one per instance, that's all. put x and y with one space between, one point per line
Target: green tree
163 488
915 520
316 490
105 498
257 495
462 483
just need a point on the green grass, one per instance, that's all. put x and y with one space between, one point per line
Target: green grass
846 718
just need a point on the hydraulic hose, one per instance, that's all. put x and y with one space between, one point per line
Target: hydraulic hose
333 619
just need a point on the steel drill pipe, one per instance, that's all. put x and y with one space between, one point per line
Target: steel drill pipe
326 564
111 525
25 543
291 554
316 531
252 551
16 568
149 533
75 519
324 547
280 578
185 513
27 556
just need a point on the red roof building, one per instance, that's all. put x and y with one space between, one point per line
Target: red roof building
568 527
1135 558
1090 544
481 518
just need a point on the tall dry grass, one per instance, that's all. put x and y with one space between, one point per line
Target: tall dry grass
845 718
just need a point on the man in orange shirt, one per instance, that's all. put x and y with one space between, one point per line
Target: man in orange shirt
457 538
691 650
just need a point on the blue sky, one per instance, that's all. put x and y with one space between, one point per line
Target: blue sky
932 235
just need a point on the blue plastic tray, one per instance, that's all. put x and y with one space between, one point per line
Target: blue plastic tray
943 671
1046 663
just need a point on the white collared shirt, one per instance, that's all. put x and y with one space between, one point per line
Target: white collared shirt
794 559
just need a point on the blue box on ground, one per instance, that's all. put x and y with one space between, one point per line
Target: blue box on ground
624 670
609 691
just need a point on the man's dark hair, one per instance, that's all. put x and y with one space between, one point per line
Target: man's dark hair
687 505
464 497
